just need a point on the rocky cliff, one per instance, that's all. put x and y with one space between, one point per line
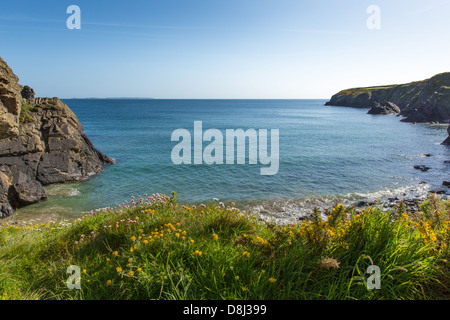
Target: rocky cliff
421 101
41 143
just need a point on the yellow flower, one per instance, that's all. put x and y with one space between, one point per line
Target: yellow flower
198 253
192 241
145 241
272 280
131 249
84 271
108 282
246 254
138 269
215 236
133 238
107 259
130 259
177 235
118 269
131 273
115 253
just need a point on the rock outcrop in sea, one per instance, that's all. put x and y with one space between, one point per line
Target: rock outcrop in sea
447 141
426 101
41 143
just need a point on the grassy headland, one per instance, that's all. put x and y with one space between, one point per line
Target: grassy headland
157 248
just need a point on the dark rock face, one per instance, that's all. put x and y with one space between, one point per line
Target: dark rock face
49 147
421 101
27 93
385 108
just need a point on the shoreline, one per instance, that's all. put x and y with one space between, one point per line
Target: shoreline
297 210
280 211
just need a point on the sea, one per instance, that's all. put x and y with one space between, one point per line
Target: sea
327 154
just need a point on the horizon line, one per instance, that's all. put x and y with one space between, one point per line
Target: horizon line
149 98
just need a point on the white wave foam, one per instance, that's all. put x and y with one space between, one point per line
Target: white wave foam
293 210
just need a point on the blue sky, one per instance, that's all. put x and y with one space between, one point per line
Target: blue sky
237 49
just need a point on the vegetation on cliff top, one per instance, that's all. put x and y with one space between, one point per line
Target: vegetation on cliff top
156 248
439 80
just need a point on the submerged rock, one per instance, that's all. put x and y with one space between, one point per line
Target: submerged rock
41 142
422 168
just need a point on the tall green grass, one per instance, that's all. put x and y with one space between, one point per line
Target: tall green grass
156 248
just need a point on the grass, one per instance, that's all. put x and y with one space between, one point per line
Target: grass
24 116
156 248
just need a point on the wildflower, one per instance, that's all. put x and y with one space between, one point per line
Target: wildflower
84 271
177 235
115 253
215 236
272 280
118 269
108 282
131 273
329 263
246 254
107 259
145 241
192 241
133 238
139 270
130 259
198 253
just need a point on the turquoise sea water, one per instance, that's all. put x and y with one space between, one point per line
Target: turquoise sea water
326 153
